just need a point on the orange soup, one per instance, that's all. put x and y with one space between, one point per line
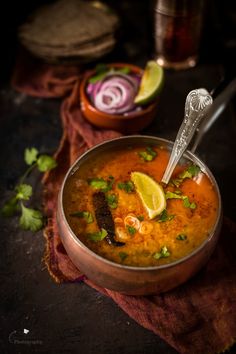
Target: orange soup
106 213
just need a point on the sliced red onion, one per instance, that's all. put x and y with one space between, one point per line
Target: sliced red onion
114 94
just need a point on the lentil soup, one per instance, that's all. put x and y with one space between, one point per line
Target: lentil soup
101 189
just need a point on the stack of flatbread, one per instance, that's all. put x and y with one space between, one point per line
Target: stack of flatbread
70 31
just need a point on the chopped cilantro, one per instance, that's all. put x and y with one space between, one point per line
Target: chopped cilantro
131 230
148 155
127 186
97 236
123 255
88 217
140 217
190 172
112 201
165 217
186 202
181 237
171 195
101 183
162 254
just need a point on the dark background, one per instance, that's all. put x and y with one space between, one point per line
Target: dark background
72 318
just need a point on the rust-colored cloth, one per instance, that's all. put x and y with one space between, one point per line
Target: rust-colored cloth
198 316
36 78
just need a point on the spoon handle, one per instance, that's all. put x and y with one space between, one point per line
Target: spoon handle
196 105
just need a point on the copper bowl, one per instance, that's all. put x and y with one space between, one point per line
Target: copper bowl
131 122
127 279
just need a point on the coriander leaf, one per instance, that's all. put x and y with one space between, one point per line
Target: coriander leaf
176 182
194 170
10 207
30 155
84 214
46 163
165 217
162 254
112 201
97 236
140 217
187 203
181 237
31 219
148 155
131 230
101 183
171 195
24 191
127 186
190 172
123 255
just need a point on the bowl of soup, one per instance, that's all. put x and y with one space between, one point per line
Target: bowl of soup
107 98
107 230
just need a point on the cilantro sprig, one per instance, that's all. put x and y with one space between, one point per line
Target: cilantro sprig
127 186
30 219
190 172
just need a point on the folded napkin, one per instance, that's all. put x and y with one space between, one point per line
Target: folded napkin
198 316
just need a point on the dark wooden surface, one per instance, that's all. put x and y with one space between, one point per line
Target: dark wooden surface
73 318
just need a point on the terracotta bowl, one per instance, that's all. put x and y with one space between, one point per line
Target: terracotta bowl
133 122
129 279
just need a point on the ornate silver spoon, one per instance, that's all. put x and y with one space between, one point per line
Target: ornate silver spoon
197 103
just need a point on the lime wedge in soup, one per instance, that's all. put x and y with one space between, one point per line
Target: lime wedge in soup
151 83
150 192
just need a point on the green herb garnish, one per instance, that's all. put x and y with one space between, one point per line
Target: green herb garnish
131 230
164 216
102 70
171 195
186 202
97 236
162 254
30 219
101 183
148 155
123 255
181 237
112 201
86 215
140 217
127 186
190 172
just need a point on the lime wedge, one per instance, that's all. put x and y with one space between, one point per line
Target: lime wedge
150 192
151 83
